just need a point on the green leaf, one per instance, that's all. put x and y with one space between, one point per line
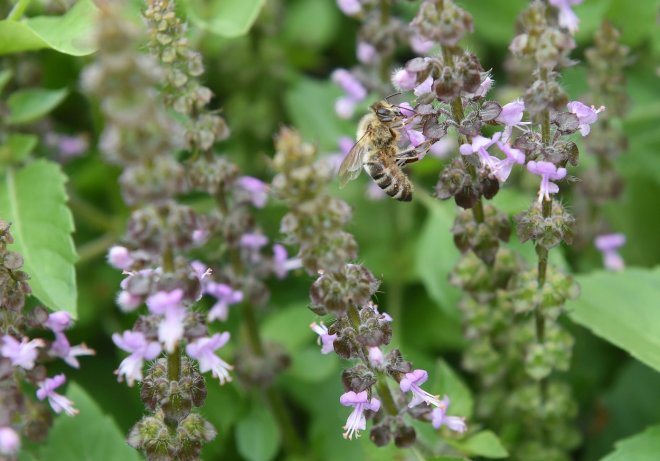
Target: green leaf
484 443
640 447
310 106
5 76
257 435
447 382
90 435
71 33
622 307
289 327
33 199
436 253
309 365
311 23
31 104
226 18
17 148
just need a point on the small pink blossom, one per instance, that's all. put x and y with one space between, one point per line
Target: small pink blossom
161 301
326 340
511 116
345 107
366 52
356 421
10 441
61 348
253 241
225 296
376 357
282 264
567 18
502 168
58 321
140 349
424 88
128 302
404 80
57 402
120 258
548 171
609 244
411 383
203 350
586 115
349 7
420 45
440 418
255 188
21 354
351 85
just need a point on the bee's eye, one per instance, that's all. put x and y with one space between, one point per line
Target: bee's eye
383 112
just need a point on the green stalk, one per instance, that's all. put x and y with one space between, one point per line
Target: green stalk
458 113
17 11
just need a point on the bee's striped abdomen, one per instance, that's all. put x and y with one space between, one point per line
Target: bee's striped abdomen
391 179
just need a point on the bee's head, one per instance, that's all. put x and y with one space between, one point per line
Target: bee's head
386 112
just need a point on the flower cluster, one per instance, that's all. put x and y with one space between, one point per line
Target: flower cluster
451 95
343 290
23 359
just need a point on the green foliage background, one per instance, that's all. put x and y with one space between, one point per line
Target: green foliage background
276 72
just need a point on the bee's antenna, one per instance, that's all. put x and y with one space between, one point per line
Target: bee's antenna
393 94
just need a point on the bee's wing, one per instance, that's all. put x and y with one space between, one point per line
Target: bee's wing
352 163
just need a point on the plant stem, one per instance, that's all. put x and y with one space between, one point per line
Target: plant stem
174 364
17 11
458 113
385 61
385 395
290 439
95 248
89 213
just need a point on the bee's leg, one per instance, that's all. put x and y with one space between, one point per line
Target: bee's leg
407 156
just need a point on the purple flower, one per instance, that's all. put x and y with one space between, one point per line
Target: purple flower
424 88
161 301
548 171
349 7
22 354
345 107
128 302
411 382
440 418
120 258
567 18
253 241
57 402
326 340
404 80
225 296
441 148
201 271
420 45
376 357
58 321
480 145
366 52
199 236
168 304
257 190
511 115
62 348
282 264
356 421
503 167
351 85
608 244
140 349
586 115
485 87
10 441
203 350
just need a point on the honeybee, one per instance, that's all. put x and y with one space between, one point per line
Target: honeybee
377 151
